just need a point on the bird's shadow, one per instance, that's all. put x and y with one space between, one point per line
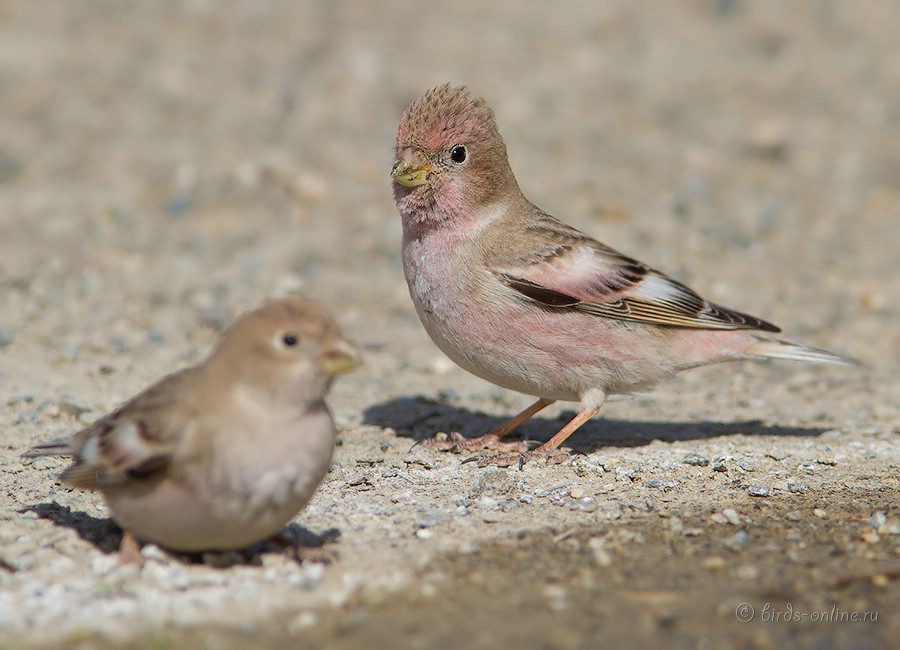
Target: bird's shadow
102 533
419 418
106 535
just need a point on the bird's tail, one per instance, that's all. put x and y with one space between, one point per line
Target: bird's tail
60 447
776 349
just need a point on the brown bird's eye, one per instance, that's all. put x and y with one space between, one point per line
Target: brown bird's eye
290 339
458 154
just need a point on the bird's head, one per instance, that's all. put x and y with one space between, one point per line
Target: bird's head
286 345
450 158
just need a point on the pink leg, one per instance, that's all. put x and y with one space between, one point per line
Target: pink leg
548 450
130 549
491 440
583 416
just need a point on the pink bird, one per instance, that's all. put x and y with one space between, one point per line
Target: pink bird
525 301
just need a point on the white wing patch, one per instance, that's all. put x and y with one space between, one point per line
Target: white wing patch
656 288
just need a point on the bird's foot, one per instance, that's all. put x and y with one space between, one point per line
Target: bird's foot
547 456
130 550
455 442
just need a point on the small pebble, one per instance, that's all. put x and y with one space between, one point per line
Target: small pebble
154 552
556 596
769 140
737 541
695 459
870 537
556 490
731 515
488 503
431 519
302 621
586 504
747 572
494 482
358 480
797 488
713 563
880 580
598 547
441 365
821 514
877 520
758 490
585 466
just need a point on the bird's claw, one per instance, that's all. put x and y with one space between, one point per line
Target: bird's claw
549 457
456 443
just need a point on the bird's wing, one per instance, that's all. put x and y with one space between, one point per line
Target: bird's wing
135 441
561 268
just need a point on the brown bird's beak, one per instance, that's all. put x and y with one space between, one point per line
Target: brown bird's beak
411 169
339 356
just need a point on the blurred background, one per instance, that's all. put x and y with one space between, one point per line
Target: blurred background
206 153
166 165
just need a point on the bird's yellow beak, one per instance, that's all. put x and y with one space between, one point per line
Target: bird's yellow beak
410 175
339 356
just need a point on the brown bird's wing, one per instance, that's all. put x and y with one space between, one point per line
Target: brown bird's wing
135 441
564 269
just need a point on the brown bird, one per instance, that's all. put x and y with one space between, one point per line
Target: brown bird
222 454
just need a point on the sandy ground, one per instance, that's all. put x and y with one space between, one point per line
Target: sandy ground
164 166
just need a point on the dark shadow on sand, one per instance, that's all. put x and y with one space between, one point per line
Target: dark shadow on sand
106 535
102 533
419 418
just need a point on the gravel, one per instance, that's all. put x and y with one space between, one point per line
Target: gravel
165 166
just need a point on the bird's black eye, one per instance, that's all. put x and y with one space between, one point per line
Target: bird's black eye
290 339
458 154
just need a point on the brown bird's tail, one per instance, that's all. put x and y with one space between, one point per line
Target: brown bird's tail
61 447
